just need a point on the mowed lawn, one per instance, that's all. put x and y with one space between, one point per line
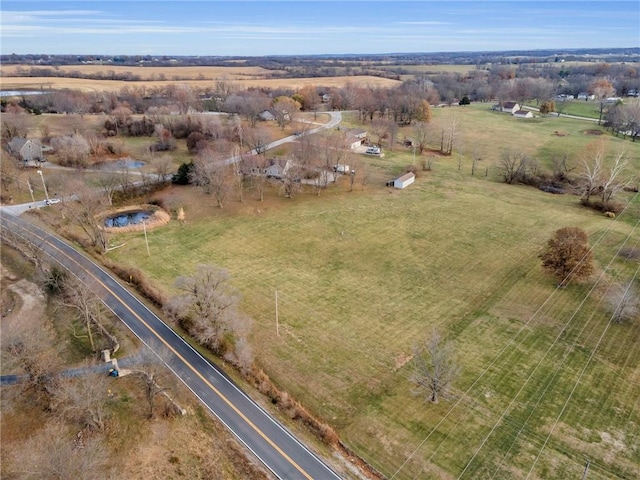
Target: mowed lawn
547 380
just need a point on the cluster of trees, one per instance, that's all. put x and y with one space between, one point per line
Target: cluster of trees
597 177
207 307
604 176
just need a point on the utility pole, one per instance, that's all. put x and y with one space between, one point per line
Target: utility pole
586 470
46 194
146 240
31 192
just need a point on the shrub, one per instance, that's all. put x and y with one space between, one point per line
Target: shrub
183 174
138 279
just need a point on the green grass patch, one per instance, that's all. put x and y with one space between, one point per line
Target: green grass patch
362 276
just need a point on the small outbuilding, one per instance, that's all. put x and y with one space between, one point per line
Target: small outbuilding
405 180
523 114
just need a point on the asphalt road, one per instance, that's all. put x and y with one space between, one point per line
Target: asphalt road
267 439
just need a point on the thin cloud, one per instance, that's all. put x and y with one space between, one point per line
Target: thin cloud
423 22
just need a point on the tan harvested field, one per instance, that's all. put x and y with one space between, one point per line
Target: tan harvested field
197 77
149 73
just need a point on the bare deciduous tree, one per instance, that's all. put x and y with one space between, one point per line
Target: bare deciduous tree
612 183
602 176
15 124
255 166
56 453
257 139
513 166
34 355
83 400
151 370
435 367
286 109
593 164
624 301
211 173
161 166
109 182
207 307
84 210
72 150
420 136
449 133
81 298
291 180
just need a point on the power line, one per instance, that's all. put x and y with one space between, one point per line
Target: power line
558 337
577 382
500 353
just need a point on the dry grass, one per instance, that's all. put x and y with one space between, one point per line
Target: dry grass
196 77
149 73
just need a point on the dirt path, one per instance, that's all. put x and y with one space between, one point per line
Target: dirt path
25 304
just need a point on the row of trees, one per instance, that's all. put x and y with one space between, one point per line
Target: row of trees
597 177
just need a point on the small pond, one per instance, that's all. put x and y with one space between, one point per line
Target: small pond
127 218
121 164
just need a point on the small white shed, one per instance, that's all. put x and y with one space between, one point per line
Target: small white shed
523 114
404 181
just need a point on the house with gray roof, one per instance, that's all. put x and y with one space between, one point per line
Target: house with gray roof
29 151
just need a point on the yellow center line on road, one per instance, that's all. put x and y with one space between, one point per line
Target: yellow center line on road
191 367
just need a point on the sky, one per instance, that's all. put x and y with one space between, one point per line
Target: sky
301 27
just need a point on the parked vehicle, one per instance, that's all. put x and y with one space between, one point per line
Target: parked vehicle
373 151
51 201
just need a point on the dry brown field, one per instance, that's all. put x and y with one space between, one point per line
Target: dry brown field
196 77
149 73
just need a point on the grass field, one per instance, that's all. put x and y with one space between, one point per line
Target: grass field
362 276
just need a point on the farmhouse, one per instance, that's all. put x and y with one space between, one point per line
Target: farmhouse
276 170
267 115
404 181
509 107
26 150
355 137
523 114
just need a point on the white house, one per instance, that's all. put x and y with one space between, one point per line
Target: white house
585 96
523 114
404 181
509 107
352 142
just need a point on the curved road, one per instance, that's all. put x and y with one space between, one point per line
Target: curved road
285 456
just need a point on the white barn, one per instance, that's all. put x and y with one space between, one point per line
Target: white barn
404 181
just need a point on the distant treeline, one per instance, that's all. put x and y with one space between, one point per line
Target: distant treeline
286 72
282 62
